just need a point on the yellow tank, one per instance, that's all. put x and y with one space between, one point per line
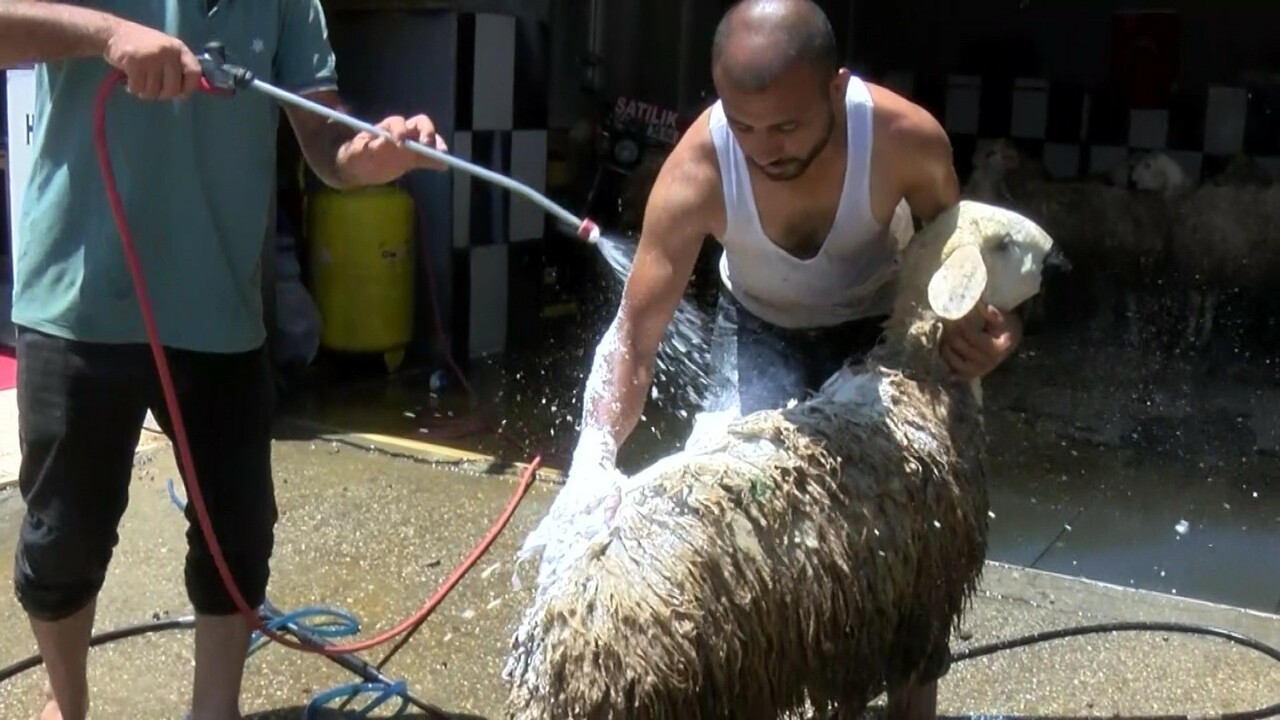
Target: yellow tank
361 252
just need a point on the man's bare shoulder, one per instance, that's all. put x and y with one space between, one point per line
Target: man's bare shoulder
689 183
912 157
694 158
906 127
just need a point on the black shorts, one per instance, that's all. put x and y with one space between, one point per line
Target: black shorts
81 408
761 366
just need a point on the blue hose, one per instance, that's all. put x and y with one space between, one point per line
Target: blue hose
343 624
339 623
385 693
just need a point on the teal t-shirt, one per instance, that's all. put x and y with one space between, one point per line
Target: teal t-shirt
196 177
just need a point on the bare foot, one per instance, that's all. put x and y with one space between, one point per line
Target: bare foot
51 711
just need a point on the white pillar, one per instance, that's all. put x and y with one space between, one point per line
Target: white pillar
20 85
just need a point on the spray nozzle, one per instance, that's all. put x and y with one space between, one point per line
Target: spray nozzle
589 231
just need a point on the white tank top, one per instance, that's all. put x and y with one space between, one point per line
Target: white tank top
851 276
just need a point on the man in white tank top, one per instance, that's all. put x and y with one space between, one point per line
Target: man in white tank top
808 177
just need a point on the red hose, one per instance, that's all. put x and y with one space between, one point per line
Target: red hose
184 450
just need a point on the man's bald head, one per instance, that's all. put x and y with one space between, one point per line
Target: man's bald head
758 40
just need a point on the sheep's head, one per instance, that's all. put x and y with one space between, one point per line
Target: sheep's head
995 158
976 251
1159 173
1121 174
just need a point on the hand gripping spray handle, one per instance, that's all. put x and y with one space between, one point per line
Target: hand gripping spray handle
222 76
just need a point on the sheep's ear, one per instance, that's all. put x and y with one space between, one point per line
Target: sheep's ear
957 286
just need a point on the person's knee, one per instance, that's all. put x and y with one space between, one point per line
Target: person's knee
247 556
247 542
58 571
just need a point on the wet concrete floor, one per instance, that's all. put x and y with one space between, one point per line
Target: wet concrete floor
375 534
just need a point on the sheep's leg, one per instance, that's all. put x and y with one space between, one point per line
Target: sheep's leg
913 702
1135 322
1208 305
1110 307
1108 320
1193 316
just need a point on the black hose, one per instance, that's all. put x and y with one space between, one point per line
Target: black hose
1151 626
188 622
182 623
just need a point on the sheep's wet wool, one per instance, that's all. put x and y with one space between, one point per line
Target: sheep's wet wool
803 556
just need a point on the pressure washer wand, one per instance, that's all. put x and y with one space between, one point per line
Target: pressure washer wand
224 77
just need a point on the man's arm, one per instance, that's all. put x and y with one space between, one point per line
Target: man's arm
676 220
32 31
928 175
972 346
158 66
343 158
339 156
306 65
321 139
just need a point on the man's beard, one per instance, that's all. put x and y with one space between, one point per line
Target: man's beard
792 168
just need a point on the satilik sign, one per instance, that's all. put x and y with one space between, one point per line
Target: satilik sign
659 123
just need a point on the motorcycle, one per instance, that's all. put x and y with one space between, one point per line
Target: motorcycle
632 143
625 148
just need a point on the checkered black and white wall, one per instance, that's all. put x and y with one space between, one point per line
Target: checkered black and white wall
501 119
1076 131
483 78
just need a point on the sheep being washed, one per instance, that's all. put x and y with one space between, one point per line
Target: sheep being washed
816 553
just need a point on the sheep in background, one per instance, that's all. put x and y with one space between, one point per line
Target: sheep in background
1222 235
1265 333
1113 236
816 553
1242 170
1139 264
998 164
